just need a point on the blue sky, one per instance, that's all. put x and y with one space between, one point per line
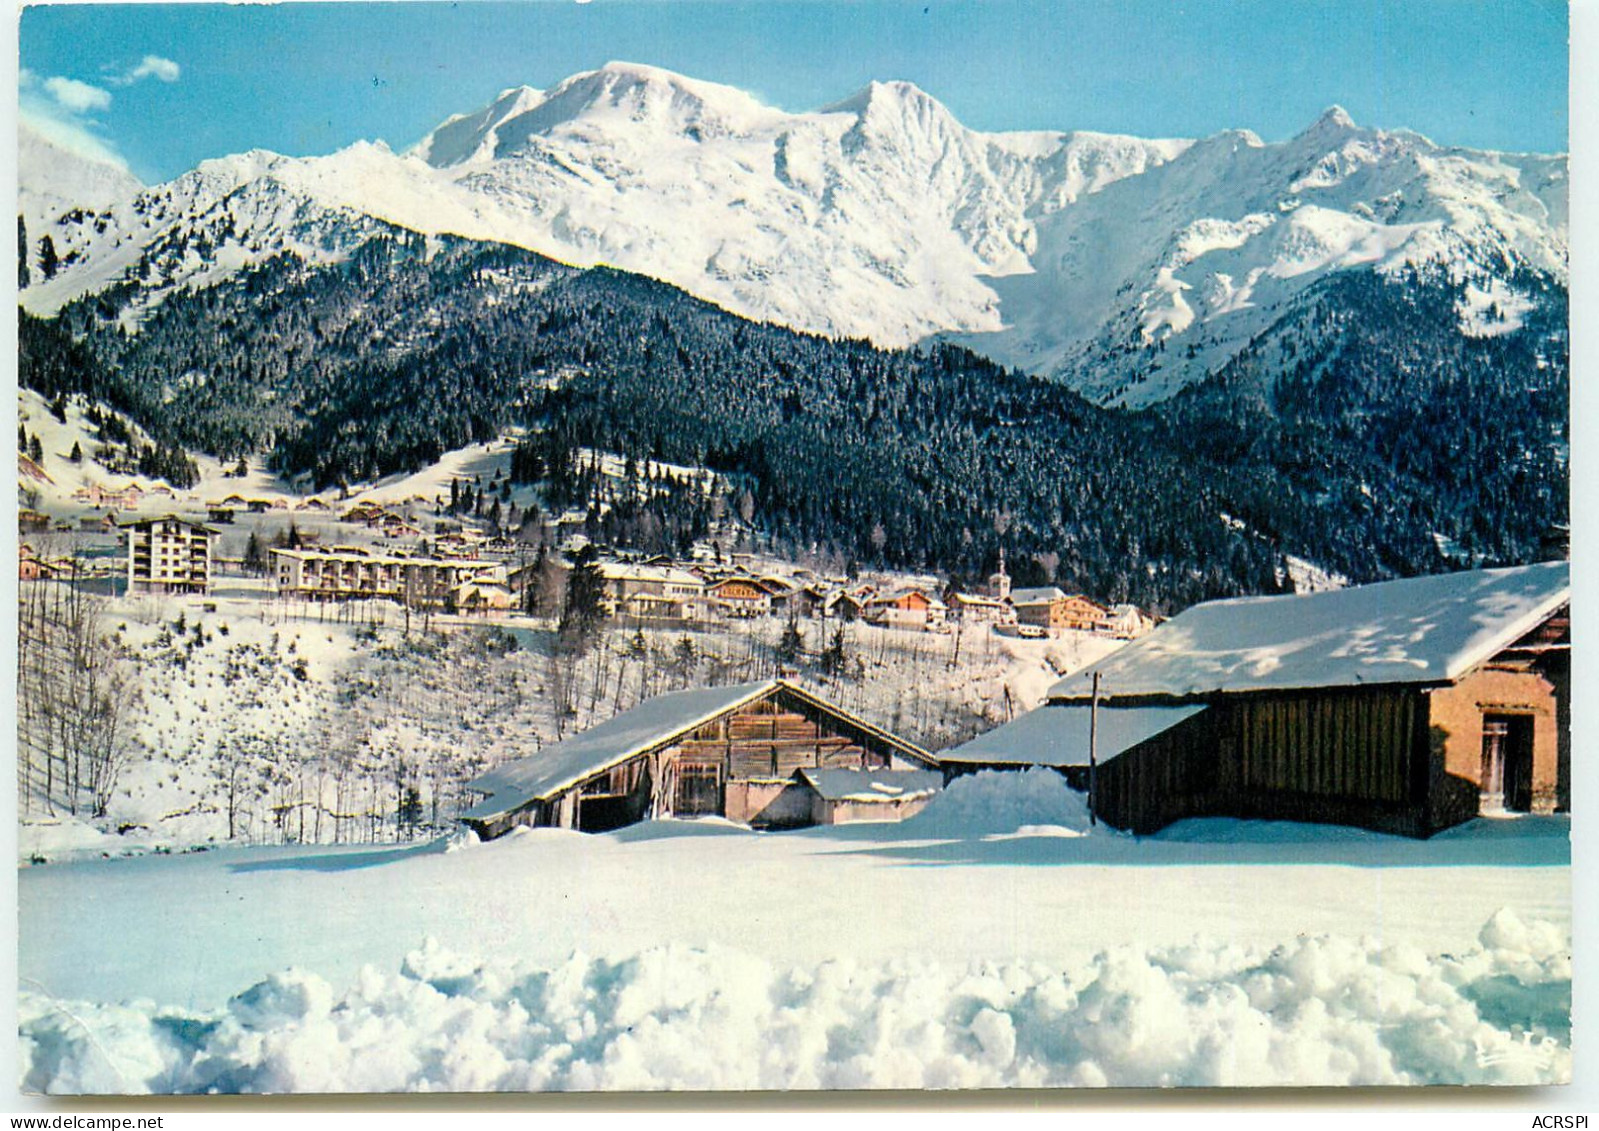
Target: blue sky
166 85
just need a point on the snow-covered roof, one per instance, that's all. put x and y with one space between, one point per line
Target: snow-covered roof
558 767
1036 596
1419 630
1057 735
618 571
873 785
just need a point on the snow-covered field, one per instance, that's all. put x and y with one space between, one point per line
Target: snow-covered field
993 940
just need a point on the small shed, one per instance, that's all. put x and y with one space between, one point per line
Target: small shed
722 751
840 797
1056 736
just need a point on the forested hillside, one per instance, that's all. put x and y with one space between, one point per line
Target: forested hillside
1349 433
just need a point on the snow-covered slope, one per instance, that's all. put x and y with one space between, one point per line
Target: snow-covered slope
52 179
881 216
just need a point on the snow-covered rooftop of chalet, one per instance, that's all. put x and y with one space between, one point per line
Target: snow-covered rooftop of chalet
619 571
568 762
1036 596
1057 735
873 785
1419 630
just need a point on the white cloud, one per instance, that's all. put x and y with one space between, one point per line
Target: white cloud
77 97
153 66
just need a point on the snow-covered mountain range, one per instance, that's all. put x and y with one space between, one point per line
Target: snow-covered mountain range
1081 256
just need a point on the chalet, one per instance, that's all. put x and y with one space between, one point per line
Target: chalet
978 608
396 526
844 605
313 504
98 496
32 522
364 513
484 594
782 593
1126 622
725 751
906 608
220 515
739 597
1050 608
169 555
1406 706
31 567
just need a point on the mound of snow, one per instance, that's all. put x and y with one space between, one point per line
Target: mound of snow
1001 802
1315 1011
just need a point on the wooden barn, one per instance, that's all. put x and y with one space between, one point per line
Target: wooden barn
725 751
1406 706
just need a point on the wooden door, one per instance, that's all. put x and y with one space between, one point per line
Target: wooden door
1506 764
699 789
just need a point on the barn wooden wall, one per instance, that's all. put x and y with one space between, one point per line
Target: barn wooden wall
1351 756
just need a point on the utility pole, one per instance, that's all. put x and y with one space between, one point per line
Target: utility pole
1093 753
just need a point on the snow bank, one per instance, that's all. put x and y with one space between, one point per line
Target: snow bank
1001 802
1317 1011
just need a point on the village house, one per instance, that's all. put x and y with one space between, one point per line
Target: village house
351 573
905 608
977 608
1127 622
483 594
732 752
362 513
1405 706
844 605
96 495
392 525
1051 609
32 522
168 555
31 567
653 593
220 515
739 597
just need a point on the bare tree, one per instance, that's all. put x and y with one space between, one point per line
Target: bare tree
76 694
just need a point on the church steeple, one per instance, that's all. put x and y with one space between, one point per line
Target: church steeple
999 580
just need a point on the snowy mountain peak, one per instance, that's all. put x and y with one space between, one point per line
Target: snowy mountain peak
1076 255
52 178
896 94
465 137
644 93
1335 116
